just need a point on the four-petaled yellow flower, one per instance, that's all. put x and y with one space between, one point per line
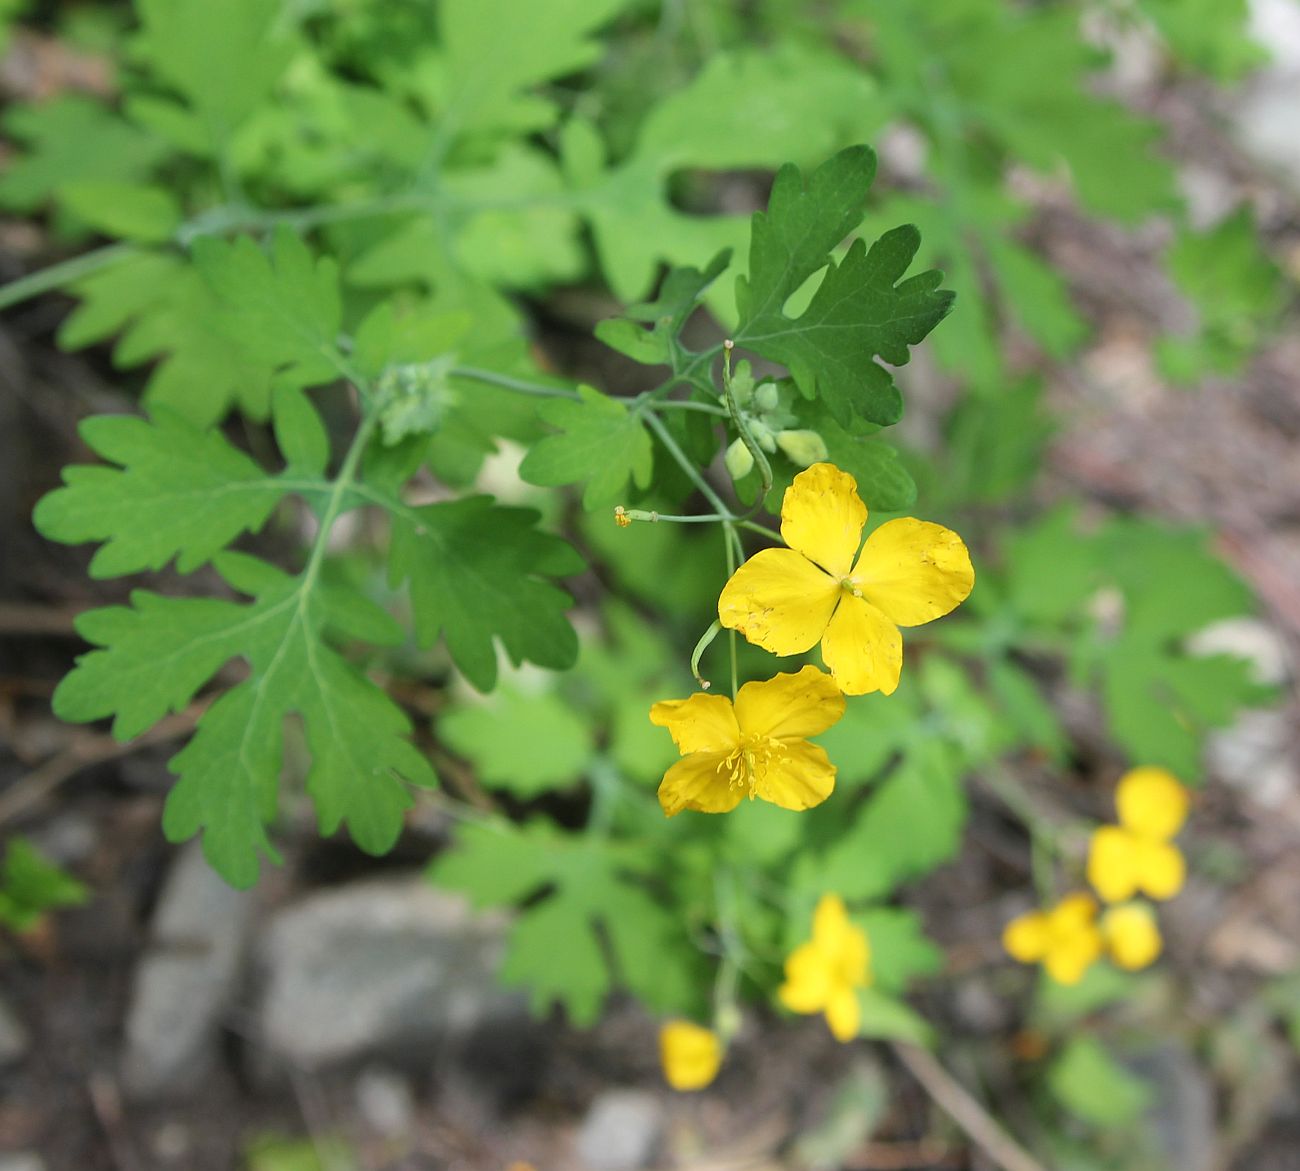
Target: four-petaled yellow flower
1065 940
1132 935
824 974
755 748
690 1054
1137 855
787 600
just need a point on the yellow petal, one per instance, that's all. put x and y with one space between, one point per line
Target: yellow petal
690 1054
696 783
807 984
1113 863
862 649
790 707
1132 935
698 723
799 778
914 571
779 600
1160 869
1073 914
822 517
844 1014
831 925
1026 937
1069 959
1151 802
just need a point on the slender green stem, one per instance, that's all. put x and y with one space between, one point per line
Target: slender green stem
675 404
683 461
654 517
730 540
742 427
763 530
338 493
508 382
63 273
700 647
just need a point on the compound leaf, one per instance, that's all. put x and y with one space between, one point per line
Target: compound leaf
862 309
179 492
601 444
476 572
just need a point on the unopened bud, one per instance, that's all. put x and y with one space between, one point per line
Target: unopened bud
738 459
766 397
804 448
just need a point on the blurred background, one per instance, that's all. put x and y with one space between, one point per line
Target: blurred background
1113 189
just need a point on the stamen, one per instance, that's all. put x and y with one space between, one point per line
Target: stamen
746 766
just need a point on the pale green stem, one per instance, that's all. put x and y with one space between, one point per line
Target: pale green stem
63 273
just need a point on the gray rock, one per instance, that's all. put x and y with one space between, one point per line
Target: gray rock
14 1038
377 969
1265 112
621 1130
186 980
22 1161
385 1101
1182 1110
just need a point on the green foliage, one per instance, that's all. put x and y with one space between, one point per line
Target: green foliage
860 310
30 886
599 920
1237 291
601 443
1092 1085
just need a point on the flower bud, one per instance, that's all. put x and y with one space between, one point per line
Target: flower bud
738 459
804 448
766 397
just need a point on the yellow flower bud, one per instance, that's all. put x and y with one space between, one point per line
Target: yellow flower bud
690 1055
738 459
804 448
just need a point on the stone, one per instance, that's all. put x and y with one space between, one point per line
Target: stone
379 969
186 979
1181 1113
385 1101
14 1038
22 1161
621 1130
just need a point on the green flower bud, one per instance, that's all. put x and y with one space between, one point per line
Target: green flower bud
762 434
804 448
766 397
738 459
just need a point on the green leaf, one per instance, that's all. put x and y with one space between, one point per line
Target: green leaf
199 49
602 444
179 492
133 211
910 823
860 310
157 653
164 310
1237 290
30 885
745 110
556 946
1212 36
282 310
476 573
1091 1084
900 952
72 139
495 51
524 744
886 1017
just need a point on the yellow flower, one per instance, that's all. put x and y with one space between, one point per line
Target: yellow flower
1065 939
756 748
824 974
1137 855
690 1054
1132 935
787 600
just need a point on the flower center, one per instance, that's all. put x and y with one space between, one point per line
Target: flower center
750 760
851 585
